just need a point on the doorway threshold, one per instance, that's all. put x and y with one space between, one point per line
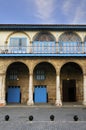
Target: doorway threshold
72 104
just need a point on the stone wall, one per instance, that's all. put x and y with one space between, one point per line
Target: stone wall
52 66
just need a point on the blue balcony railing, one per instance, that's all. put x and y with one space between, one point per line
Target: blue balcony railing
54 50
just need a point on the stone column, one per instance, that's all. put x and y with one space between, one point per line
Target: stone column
83 47
84 89
57 47
30 47
58 93
2 90
30 100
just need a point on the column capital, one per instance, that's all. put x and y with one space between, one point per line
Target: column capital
6 42
31 73
56 41
2 74
57 73
31 42
84 74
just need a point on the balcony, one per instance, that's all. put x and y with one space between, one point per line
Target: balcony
39 50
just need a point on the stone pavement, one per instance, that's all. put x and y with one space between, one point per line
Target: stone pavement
41 118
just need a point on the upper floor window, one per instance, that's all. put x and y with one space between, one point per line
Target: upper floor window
69 42
40 74
44 42
18 42
18 45
13 74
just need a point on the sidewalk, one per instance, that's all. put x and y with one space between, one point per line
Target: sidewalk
68 105
63 117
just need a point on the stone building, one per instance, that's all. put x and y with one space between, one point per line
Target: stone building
42 64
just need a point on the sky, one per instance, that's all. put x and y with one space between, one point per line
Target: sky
42 11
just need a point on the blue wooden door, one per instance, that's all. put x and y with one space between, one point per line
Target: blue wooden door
40 94
13 95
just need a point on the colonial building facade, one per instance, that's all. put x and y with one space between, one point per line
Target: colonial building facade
42 64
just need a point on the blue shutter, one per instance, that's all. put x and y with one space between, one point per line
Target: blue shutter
13 95
40 94
23 45
18 45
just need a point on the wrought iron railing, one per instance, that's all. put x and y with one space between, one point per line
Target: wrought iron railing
57 49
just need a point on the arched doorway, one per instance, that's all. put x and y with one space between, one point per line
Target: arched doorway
72 82
17 83
44 83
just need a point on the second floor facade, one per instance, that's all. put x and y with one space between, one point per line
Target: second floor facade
50 40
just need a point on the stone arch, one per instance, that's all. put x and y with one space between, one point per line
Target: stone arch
69 36
71 76
45 62
17 76
12 62
44 74
44 36
44 42
69 61
17 32
69 42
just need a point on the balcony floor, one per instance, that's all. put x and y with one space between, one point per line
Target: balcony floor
42 55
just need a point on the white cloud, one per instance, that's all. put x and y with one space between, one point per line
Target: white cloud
80 14
74 11
67 6
57 11
45 10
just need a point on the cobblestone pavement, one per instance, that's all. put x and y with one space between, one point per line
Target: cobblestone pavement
19 118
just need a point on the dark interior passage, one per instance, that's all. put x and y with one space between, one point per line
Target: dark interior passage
69 90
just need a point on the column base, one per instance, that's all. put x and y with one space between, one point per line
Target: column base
2 103
58 103
84 103
30 103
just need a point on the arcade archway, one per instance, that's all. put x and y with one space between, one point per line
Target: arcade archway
71 82
17 83
44 83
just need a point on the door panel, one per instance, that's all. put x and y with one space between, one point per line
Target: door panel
40 94
13 95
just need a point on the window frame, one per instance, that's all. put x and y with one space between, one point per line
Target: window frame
40 75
